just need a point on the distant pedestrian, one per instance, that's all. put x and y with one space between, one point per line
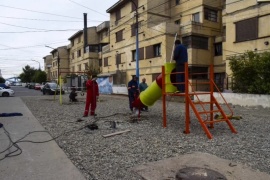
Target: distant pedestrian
133 91
143 86
180 57
91 96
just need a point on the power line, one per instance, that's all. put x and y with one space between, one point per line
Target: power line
38 45
87 8
45 31
34 28
8 17
38 12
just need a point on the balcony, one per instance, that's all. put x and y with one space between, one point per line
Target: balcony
104 25
91 55
106 48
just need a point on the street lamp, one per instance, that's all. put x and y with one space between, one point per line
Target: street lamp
137 41
58 62
38 63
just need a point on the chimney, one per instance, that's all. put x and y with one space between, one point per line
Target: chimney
85 30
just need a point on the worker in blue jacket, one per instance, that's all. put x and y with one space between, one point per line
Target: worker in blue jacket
180 57
133 91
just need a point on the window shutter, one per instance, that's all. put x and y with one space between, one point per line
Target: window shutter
133 7
247 29
141 53
118 59
118 14
106 62
133 30
119 36
149 52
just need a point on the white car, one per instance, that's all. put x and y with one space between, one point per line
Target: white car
6 92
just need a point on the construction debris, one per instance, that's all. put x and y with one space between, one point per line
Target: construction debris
116 133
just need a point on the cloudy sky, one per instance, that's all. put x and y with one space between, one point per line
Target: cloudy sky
26 26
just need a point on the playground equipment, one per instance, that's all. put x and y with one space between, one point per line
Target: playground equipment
163 86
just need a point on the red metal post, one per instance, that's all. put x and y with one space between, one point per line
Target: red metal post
187 100
211 95
164 97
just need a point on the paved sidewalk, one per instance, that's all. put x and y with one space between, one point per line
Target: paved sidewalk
45 161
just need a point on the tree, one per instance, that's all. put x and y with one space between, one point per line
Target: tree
28 74
40 76
2 80
251 72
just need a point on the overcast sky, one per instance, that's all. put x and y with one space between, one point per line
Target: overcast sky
21 23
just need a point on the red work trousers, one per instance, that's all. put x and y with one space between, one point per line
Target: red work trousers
91 99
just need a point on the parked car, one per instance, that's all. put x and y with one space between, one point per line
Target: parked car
52 88
18 84
37 86
6 92
3 85
31 86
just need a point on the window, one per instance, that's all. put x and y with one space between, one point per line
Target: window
133 28
79 53
100 63
177 22
85 66
218 49
119 36
196 17
153 51
93 48
154 76
72 55
106 62
79 67
141 54
79 39
246 29
157 50
133 7
73 69
177 2
198 72
210 14
72 43
118 59
117 16
197 42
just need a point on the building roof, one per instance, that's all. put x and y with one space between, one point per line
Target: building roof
116 6
76 34
60 47
48 56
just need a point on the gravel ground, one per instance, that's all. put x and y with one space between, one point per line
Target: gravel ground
111 158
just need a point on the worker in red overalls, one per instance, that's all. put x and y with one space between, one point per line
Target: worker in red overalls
91 96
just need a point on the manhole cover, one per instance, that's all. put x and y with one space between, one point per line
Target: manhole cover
194 173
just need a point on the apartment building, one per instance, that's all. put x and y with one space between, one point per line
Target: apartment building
247 28
47 66
197 23
62 54
85 55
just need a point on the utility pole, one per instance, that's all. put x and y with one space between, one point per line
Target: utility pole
137 41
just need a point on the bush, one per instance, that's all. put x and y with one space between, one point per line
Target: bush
251 72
